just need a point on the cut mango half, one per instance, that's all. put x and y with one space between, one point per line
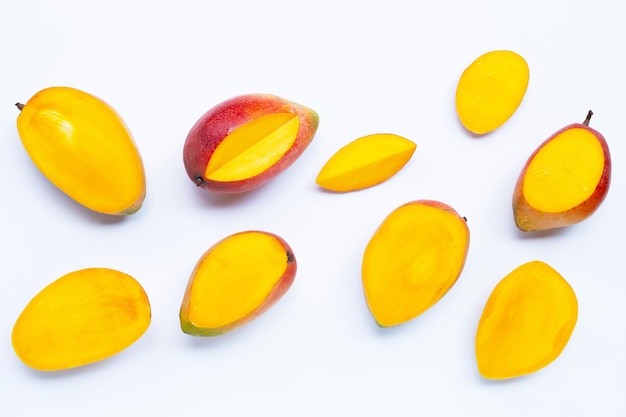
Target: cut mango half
490 90
83 317
415 256
526 323
253 147
235 281
565 171
365 162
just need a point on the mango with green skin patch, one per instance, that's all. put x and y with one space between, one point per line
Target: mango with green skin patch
235 281
564 181
244 142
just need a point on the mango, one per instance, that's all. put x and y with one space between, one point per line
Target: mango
365 162
83 147
415 256
564 181
490 90
526 323
244 142
235 281
82 317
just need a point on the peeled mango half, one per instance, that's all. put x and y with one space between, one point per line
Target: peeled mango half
83 317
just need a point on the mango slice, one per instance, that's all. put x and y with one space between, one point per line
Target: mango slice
526 323
235 281
490 90
84 148
253 147
83 317
415 256
365 162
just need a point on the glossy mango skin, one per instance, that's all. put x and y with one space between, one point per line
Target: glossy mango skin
214 126
83 147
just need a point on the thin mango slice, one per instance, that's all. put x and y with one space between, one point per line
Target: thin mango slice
414 258
365 162
83 147
490 90
83 317
526 323
235 281
253 147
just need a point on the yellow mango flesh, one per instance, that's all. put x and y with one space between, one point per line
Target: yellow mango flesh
365 162
565 172
83 147
253 147
490 90
234 280
83 317
413 259
526 323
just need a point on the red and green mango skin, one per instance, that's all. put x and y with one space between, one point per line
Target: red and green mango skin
527 218
282 285
217 123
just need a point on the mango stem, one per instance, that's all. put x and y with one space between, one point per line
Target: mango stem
19 106
588 118
198 180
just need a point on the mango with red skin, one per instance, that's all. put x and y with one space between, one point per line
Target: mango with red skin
218 122
528 218
279 289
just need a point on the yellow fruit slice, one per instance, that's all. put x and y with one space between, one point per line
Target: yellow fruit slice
526 323
253 147
415 256
84 148
235 281
565 171
83 317
490 90
365 162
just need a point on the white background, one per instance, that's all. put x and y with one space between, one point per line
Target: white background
365 67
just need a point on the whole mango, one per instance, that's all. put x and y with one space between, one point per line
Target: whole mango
83 147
